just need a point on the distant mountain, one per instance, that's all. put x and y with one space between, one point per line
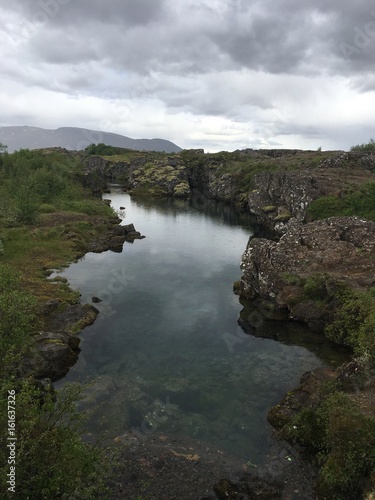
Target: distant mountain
77 139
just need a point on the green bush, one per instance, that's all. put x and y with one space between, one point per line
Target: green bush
51 459
105 150
354 321
360 202
366 147
342 440
17 317
33 179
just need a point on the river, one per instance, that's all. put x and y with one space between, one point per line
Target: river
166 352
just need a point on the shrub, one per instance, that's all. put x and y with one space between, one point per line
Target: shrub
17 317
366 147
360 202
342 440
354 321
52 460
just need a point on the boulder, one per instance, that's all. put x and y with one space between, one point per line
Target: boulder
52 356
72 319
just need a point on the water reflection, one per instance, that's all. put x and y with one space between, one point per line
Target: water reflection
166 352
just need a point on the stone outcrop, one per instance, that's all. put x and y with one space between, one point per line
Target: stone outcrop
71 319
52 356
340 248
147 174
306 395
280 199
113 239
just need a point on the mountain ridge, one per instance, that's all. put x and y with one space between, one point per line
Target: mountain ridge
76 138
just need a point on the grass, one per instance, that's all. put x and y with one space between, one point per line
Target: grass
65 220
360 202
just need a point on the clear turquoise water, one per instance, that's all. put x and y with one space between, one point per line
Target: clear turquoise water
166 352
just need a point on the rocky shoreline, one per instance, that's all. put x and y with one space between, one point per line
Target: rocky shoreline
56 349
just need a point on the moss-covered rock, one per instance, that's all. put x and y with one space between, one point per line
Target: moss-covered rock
333 429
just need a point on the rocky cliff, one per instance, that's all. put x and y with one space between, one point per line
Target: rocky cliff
276 185
339 249
279 199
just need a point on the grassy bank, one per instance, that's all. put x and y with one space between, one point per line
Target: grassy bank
47 218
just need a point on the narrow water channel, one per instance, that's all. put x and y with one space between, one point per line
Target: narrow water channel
166 352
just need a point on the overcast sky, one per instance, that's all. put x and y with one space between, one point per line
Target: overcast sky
212 74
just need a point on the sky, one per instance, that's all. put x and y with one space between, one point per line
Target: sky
211 74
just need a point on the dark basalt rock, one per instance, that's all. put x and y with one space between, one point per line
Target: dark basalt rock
72 319
308 394
114 238
52 357
247 488
340 248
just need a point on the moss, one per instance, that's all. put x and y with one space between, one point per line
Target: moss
291 279
342 440
53 341
314 288
269 208
181 190
283 217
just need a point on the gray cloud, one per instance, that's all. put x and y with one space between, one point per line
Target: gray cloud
230 59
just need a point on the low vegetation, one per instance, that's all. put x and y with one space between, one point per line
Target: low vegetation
46 219
51 459
360 202
353 323
368 147
341 440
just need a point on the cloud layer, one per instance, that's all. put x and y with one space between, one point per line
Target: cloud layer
218 74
